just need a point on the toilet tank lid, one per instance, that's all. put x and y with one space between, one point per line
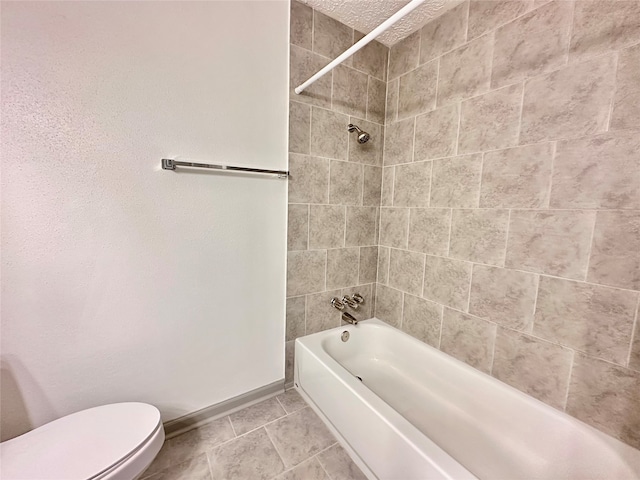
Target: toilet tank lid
81 445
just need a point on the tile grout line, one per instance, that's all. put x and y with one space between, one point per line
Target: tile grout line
275 447
535 304
616 62
634 332
233 429
470 283
592 239
506 241
566 397
554 152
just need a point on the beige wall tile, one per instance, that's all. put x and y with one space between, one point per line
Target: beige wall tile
479 235
372 58
372 186
444 33
465 72
538 368
468 338
506 297
289 351
571 102
305 272
361 226
299 126
320 314
298 227
411 186
367 272
383 265
304 64
389 305
391 112
429 230
342 267
295 317
590 318
369 153
485 15
447 281
615 252
398 142
456 182
365 309
330 37
490 121
301 25
422 319
556 242
437 133
626 103
388 178
634 357
376 100
601 26
602 171
534 43
326 226
349 91
308 179
406 270
417 92
329 133
606 397
345 186
517 177
404 55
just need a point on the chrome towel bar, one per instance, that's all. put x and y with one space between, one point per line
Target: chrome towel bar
168 164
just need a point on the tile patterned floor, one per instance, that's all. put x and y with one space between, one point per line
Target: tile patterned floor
280 438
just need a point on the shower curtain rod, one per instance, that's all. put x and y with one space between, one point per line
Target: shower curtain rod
412 5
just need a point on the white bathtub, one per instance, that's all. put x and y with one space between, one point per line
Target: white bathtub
419 413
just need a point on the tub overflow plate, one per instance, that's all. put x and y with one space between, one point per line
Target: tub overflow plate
344 336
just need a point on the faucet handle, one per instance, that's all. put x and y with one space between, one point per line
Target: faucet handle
336 303
351 302
357 298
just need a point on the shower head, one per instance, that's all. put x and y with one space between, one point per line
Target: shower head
363 137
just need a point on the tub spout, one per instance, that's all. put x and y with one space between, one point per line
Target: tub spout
347 317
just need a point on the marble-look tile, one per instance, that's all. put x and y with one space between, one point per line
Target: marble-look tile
429 230
342 267
485 15
291 401
555 242
299 436
289 359
465 72
301 25
490 121
369 153
256 416
376 100
444 33
339 465
601 26
601 171
422 319
615 251
303 64
308 179
367 271
391 111
406 271
398 142
404 55
389 305
456 182
372 187
411 186
626 102
250 457
534 43
634 357
591 318
479 235
298 227
305 272
307 470
417 92
538 368
394 227
299 126
320 314
326 226
517 177
447 281
295 317
345 187
194 469
372 58
329 133
388 179
349 91
467 338
383 265
330 37
437 133
570 102
506 297
606 397
361 226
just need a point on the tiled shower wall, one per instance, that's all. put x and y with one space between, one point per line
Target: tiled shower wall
510 213
334 187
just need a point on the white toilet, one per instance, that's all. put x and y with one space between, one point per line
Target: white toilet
111 442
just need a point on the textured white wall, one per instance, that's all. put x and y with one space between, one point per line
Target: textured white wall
121 281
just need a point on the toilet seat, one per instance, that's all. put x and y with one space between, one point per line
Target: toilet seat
107 442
